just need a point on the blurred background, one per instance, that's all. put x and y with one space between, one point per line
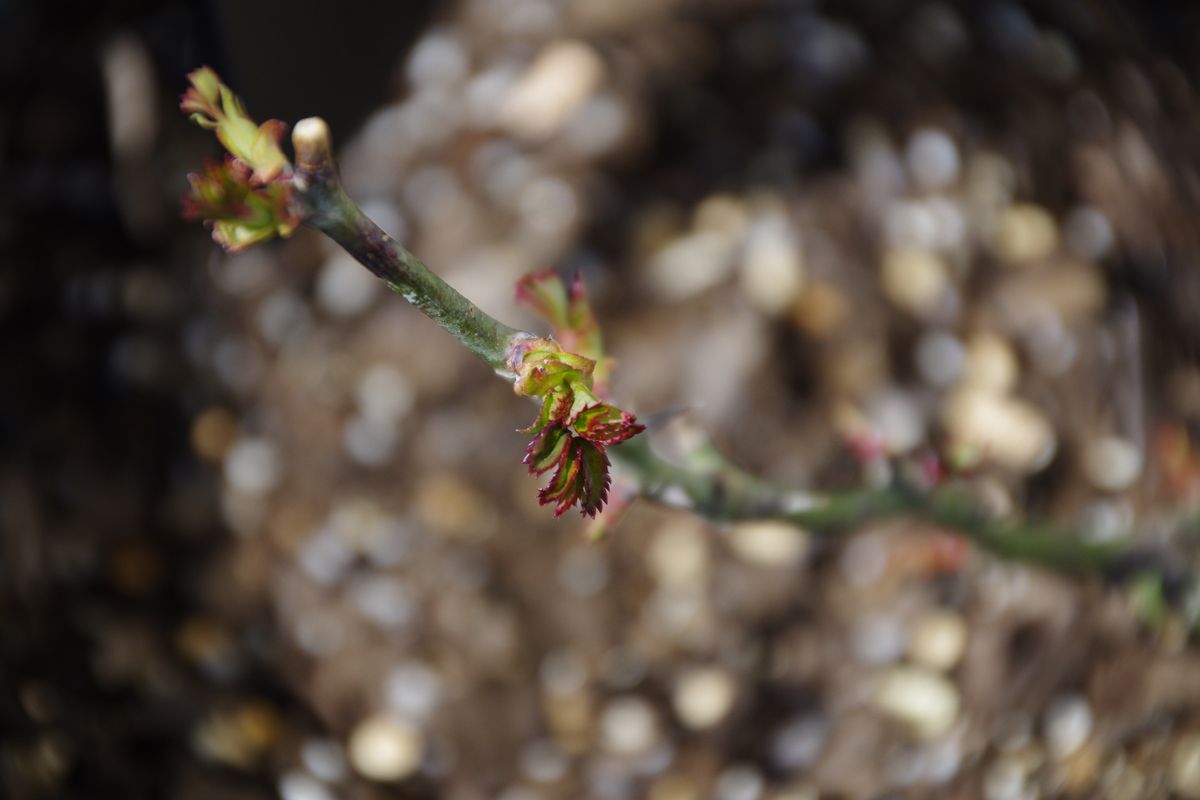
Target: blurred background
263 528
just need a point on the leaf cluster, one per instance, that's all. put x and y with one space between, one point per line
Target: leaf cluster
574 425
248 197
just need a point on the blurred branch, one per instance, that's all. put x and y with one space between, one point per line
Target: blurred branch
705 482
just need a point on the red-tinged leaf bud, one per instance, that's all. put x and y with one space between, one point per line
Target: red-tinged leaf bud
568 312
574 425
240 211
545 367
214 106
544 293
202 100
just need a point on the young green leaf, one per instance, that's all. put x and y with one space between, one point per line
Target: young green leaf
214 106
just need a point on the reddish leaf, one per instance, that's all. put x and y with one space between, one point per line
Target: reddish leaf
547 448
582 477
565 485
604 424
594 490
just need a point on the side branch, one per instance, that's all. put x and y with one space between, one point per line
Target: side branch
328 209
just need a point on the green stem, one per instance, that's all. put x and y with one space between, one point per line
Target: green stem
707 484
1069 551
330 210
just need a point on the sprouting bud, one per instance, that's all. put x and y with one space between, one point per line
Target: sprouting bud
240 211
574 425
247 198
